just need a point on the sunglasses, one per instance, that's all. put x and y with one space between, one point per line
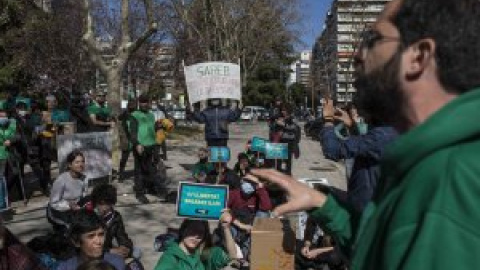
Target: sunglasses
371 37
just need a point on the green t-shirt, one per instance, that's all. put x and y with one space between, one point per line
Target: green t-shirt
101 112
145 132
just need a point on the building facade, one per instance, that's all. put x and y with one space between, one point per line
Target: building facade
300 70
332 54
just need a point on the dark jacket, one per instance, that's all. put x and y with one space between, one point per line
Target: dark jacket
116 231
367 150
216 120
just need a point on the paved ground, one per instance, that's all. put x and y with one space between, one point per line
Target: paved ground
144 222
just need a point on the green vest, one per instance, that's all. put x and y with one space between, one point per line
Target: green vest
146 128
6 134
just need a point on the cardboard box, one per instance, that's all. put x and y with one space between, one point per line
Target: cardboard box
273 245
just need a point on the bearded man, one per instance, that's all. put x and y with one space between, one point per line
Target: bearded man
418 68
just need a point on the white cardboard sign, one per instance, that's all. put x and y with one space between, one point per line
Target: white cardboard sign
213 80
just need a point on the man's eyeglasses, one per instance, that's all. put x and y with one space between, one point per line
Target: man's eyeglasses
370 37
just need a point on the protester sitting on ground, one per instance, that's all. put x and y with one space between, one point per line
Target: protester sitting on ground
223 175
14 255
104 198
318 250
247 202
202 168
88 234
242 166
194 249
67 191
96 265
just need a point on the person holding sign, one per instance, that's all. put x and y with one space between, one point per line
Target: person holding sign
289 133
216 119
194 249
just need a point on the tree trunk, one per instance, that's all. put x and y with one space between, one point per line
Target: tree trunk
114 82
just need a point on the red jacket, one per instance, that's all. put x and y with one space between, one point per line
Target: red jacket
260 201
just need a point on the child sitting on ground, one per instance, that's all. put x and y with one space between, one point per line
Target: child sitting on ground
202 168
104 198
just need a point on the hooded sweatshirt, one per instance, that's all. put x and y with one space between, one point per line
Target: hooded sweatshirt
425 212
174 258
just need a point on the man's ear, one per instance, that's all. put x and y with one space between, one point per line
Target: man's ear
419 57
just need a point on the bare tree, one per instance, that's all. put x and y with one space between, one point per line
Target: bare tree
239 31
123 51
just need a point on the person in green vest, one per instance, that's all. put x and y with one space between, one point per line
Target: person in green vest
416 69
100 113
8 129
145 150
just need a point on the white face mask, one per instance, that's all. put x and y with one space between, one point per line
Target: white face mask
22 113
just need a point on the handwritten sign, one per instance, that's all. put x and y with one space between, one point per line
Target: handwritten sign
201 201
276 151
213 80
258 144
219 154
95 146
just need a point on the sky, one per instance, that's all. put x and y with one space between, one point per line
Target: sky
314 13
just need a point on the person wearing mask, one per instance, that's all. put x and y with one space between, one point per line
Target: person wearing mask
247 202
216 119
289 133
194 249
67 191
7 135
202 168
25 150
142 136
124 134
88 235
160 116
100 113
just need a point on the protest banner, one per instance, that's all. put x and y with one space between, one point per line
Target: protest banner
276 151
201 201
219 154
95 146
213 80
258 144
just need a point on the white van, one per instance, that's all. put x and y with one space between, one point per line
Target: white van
251 113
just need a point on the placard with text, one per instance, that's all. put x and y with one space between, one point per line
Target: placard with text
276 151
201 201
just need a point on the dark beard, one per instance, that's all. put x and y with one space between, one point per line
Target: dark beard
379 98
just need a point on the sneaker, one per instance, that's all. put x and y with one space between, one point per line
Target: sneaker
142 199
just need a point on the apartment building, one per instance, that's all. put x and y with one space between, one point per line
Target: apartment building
332 59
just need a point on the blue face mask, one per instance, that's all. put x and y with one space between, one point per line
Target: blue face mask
247 188
3 121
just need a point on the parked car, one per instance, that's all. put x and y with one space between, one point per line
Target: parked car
264 115
250 113
178 114
313 127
